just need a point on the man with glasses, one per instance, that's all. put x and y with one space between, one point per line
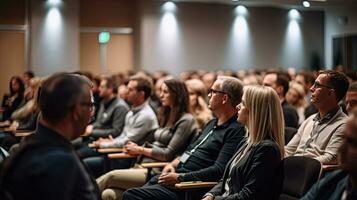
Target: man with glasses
45 165
320 135
206 158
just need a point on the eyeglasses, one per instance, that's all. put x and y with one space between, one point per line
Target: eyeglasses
319 85
210 91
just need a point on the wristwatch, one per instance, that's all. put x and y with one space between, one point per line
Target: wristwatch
180 177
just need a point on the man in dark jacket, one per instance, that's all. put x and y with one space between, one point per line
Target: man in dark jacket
45 165
206 158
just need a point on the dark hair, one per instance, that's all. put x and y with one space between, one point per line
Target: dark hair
308 77
59 93
353 87
21 86
338 81
143 84
30 73
282 79
179 97
111 83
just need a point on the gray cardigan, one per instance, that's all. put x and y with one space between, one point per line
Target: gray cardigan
170 142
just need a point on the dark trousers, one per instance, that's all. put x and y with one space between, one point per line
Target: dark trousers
153 191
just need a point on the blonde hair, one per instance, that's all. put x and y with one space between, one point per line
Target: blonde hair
300 90
265 120
198 87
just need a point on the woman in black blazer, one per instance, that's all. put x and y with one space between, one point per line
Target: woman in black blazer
255 172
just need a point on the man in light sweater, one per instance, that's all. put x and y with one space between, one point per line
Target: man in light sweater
140 120
320 135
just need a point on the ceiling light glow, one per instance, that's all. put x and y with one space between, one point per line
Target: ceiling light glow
169 7
306 4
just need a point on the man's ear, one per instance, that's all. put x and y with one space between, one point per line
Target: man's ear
75 112
225 99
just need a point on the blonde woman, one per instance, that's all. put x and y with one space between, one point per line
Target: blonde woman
296 97
198 105
253 172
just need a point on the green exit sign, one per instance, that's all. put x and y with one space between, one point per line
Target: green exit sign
103 37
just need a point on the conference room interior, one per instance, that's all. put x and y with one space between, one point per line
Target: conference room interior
182 40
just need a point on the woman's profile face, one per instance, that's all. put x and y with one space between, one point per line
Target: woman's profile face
242 113
165 96
15 85
193 97
292 96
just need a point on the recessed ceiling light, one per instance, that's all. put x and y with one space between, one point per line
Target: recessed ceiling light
235 0
306 4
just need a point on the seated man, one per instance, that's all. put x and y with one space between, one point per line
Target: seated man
206 158
45 166
140 120
110 118
351 97
111 115
341 184
280 83
320 135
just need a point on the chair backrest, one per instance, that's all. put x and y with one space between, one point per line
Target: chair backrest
300 173
289 134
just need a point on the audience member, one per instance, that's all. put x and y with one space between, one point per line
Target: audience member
45 166
307 80
12 100
254 171
297 98
320 135
111 115
280 83
351 97
206 158
341 184
198 104
171 139
27 76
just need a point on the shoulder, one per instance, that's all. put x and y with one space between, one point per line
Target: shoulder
120 103
268 148
187 116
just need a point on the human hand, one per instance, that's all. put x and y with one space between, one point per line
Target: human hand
168 178
209 197
88 130
133 149
168 168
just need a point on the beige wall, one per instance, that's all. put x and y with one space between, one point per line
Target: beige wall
12 48
119 53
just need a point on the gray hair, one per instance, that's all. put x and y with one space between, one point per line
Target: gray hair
233 87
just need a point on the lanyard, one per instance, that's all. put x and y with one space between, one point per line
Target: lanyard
202 141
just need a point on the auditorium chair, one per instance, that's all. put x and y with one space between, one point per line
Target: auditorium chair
300 173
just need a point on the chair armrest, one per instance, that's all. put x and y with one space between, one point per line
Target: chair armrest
5 124
194 184
154 165
23 133
327 168
120 155
110 150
